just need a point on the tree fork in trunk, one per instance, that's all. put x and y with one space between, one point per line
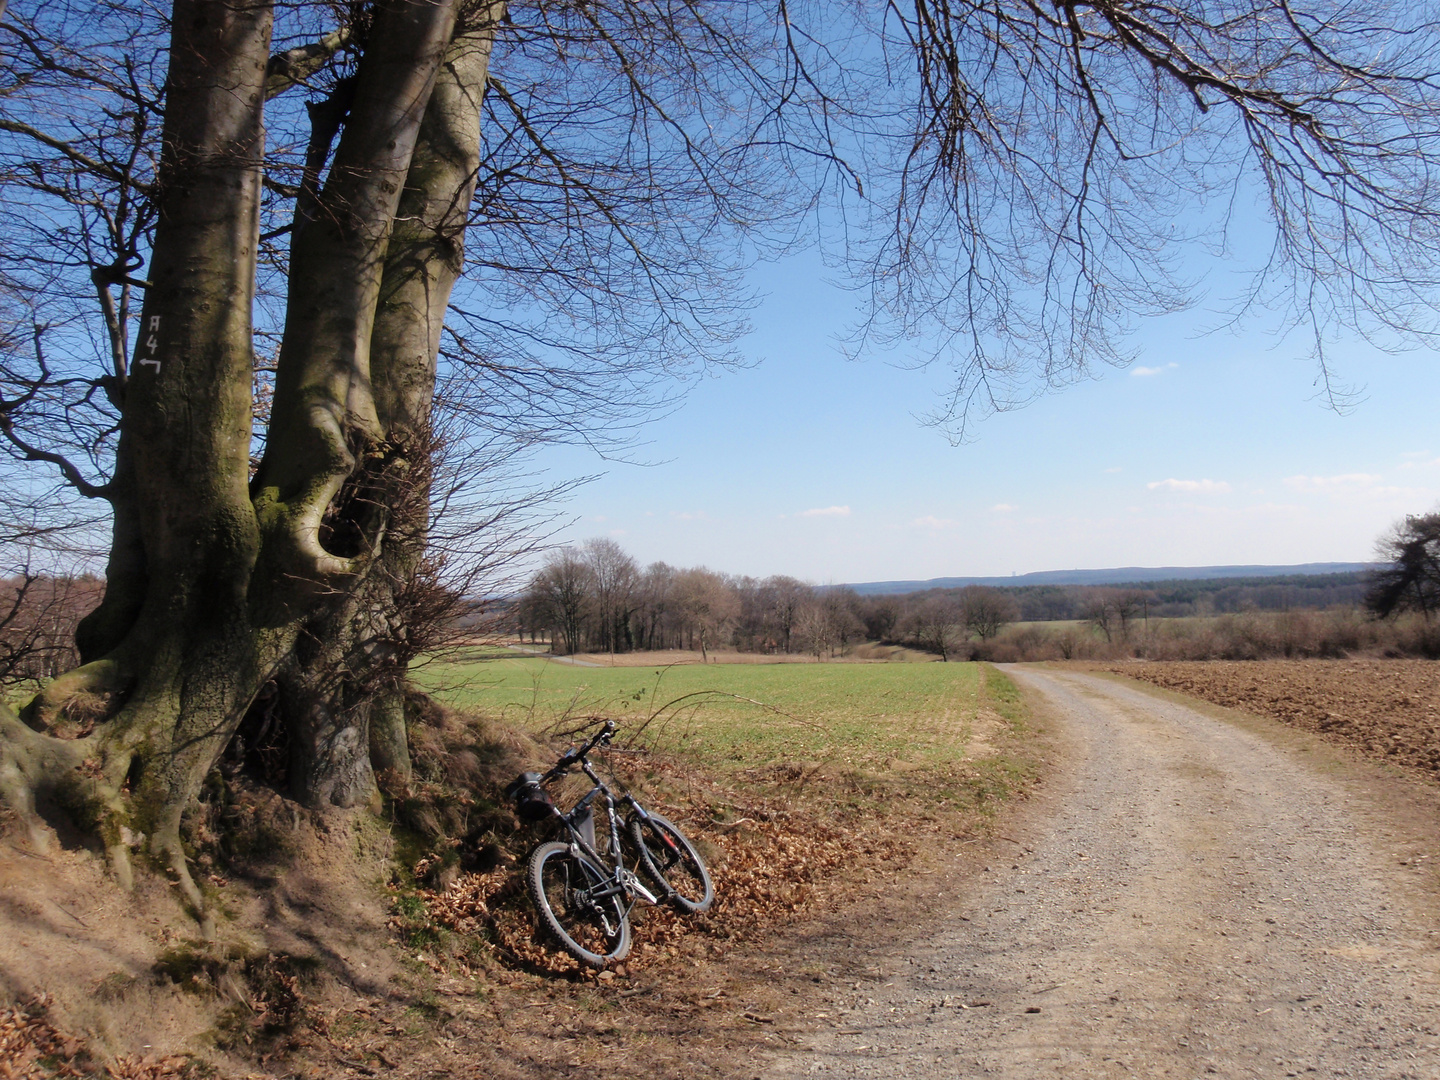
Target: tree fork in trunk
349 695
228 575
324 428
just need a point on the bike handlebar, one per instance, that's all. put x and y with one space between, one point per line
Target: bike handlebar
571 756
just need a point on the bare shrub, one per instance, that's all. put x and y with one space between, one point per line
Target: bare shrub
1337 633
1034 643
998 652
1415 637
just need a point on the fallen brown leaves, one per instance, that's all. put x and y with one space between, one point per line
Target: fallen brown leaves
31 1048
768 865
130 1067
1388 709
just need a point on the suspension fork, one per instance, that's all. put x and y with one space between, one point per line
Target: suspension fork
644 816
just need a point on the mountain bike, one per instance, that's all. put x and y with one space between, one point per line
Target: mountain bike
584 895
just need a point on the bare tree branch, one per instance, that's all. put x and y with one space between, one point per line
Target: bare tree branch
294 67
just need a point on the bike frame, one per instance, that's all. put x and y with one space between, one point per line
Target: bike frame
579 822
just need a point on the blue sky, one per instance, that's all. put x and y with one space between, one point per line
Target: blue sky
1210 449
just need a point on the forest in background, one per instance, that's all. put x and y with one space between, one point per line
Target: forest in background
595 598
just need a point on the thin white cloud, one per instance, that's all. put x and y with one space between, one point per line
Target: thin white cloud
1362 487
1003 508
1331 484
1144 372
930 521
1114 469
1198 487
690 515
827 511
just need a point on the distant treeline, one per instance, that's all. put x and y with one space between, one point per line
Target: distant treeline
1181 599
595 597
38 617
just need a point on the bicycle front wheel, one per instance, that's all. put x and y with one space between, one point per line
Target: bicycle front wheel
579 905
669 860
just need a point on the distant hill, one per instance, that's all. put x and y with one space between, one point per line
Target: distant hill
1123 575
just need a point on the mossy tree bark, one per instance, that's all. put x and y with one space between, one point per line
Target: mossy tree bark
219 583
344 688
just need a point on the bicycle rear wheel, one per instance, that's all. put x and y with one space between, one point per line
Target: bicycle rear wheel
578 906
669 860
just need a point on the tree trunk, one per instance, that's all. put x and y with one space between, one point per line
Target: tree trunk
173 646
344 701
217 584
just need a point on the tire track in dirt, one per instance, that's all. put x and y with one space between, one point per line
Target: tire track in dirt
1199 904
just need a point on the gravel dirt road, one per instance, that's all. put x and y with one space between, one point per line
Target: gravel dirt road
1197 897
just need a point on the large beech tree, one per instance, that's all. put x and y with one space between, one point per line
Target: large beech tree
246 241
274 562
213 574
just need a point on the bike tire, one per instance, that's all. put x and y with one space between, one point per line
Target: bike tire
670 861
594 931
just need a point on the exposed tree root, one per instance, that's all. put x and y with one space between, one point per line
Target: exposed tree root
166 844
28 759
118 856
105 676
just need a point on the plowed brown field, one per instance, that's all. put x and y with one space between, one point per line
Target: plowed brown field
1384 708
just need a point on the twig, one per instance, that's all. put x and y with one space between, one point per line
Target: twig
67 911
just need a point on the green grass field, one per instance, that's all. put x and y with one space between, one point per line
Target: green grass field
875 718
